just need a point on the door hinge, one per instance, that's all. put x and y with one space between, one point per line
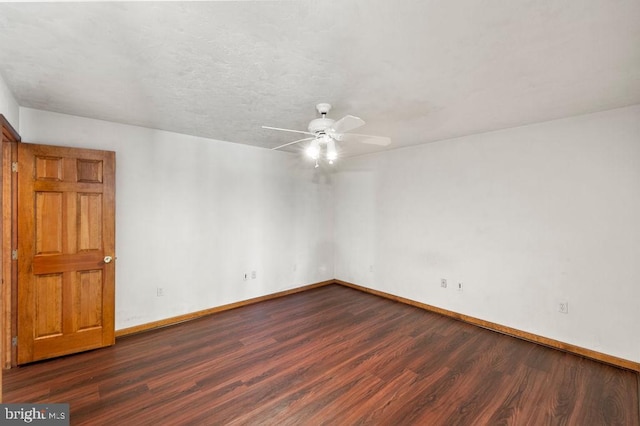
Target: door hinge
14 167
14 341
14 254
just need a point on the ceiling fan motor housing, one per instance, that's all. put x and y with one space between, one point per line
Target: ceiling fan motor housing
319 125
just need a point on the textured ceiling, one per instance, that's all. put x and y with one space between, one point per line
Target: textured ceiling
416 71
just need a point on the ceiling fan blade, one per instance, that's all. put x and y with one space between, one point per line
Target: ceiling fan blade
346 124
291 143
372 140
289 130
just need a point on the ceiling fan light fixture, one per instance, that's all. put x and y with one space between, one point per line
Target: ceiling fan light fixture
313 150
332 154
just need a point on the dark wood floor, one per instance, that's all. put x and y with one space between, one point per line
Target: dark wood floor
332 356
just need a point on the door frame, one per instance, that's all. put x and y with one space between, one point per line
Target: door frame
8 237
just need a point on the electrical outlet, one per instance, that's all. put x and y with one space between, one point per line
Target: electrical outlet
460 286
159 291
443 283
563 307
253 275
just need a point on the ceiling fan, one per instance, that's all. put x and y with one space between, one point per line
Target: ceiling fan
324 132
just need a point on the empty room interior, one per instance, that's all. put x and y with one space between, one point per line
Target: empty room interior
338 212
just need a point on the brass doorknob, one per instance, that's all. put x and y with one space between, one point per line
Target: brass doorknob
108 259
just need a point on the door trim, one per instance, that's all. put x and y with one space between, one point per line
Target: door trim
9 138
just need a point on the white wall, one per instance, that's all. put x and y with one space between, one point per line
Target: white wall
523 217
193 214
8 105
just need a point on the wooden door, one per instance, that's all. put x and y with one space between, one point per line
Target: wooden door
66 247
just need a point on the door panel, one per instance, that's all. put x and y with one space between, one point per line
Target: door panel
48 216
66 227
90 220
48 309
87 297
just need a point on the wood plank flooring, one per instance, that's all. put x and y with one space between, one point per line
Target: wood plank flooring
333 356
